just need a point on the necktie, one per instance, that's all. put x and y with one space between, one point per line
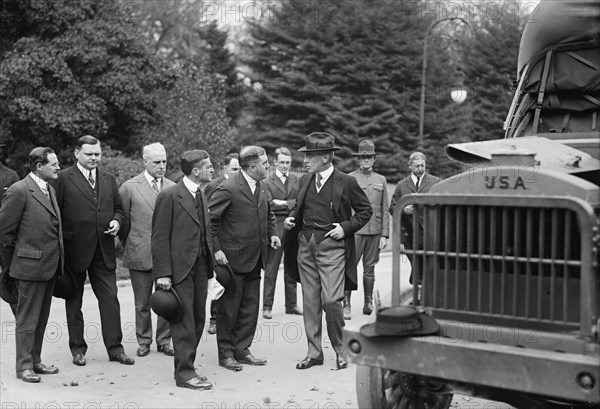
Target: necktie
45 190
156 188
418 182
91 178
319 183
256 191
284 180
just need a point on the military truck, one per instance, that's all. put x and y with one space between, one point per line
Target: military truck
507 306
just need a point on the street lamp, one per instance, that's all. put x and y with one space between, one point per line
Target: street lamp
459 94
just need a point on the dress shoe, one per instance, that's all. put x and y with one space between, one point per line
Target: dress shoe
79 359
143 350
196 383
308 362
231 364
28 375
251 360
212 328
123 359
340 362
166 349
42 369
267 314
293 311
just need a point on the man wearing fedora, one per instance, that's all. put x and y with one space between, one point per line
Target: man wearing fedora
182 259
330 208
373 236
138 196
283 189
243 228
419 181
31 240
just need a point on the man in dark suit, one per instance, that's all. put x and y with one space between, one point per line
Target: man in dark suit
92 214
31 239
138 196
419 181
182 257
231 165
283 189
243 227
322 227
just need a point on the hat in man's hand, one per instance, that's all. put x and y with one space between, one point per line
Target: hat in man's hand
366 147
224 275
319 142
167 304
64 287
401 321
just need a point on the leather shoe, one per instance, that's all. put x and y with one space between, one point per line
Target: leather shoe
79 359
166 349
267 314
308 362
212 328
196 383
251 360
28 375
143 350
42 369
293 311
123 359
340 362
231 364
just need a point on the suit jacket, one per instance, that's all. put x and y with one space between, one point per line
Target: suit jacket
241 226
7 178
175 234
348 196
31 232
375 187
84 219
138 200
212 186
405 187
277 190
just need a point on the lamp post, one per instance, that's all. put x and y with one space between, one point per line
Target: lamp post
424 72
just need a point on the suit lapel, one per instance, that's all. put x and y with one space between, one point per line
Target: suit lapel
337 189
186 200
278 184
146 191
38 195
304 184
245 188
82 184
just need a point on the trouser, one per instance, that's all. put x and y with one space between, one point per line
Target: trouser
237 314
271 270
322 273
187 332
367 248
142 285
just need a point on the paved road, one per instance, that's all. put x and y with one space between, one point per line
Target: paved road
149 383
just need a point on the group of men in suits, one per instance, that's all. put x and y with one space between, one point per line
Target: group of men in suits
172 234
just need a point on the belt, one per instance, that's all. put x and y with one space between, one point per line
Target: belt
317 226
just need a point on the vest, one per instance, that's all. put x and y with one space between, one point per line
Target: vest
318 211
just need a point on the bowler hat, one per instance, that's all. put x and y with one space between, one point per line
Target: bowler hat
366 147
402 321
167 304
64 286
319 142
225 276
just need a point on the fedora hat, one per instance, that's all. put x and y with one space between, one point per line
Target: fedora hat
224 275
319 142
366 147
402 321
64 286
167 304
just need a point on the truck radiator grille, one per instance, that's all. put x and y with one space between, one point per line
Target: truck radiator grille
521 265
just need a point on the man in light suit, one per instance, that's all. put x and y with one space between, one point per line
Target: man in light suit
138 195
330 208
283 189
31 239
182 257
92 215
243 227
231 165
419 181
372 238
